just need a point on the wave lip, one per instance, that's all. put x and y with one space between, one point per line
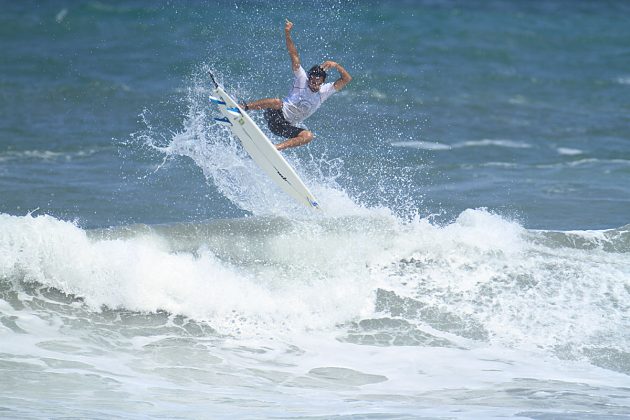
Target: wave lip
257 280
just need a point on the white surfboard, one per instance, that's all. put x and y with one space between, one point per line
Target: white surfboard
260 148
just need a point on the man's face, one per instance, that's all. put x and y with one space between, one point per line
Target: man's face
315 83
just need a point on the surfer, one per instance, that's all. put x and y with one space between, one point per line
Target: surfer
308 93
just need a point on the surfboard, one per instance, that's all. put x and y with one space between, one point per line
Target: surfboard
260 148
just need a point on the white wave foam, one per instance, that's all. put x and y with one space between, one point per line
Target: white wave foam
316 274
569 151
377 94
494 165
424 145
43 155
586 162
470 143
302 282
61 15
487 269
512 144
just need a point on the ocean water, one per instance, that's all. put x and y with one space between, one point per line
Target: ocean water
472 259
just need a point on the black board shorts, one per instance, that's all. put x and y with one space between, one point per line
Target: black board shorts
279 125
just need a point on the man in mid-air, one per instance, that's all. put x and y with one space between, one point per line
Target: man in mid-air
308 93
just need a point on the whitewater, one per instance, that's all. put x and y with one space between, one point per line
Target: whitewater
267 316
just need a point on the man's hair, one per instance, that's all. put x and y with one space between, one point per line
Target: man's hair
317 71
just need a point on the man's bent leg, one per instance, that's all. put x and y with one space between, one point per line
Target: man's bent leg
267 103
300 140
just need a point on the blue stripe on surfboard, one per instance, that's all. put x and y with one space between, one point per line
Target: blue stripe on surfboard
217 101
223 121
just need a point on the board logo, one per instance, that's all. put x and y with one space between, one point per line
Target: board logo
282 176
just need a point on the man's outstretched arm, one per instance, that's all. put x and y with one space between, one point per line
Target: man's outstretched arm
345 76
295 58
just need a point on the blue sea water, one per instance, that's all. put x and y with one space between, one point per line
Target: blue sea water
472 259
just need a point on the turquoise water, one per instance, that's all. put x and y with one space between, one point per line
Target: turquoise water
472 260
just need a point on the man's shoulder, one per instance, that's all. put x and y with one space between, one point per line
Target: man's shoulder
327 89
300 72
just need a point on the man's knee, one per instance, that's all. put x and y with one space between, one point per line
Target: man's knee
307 136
